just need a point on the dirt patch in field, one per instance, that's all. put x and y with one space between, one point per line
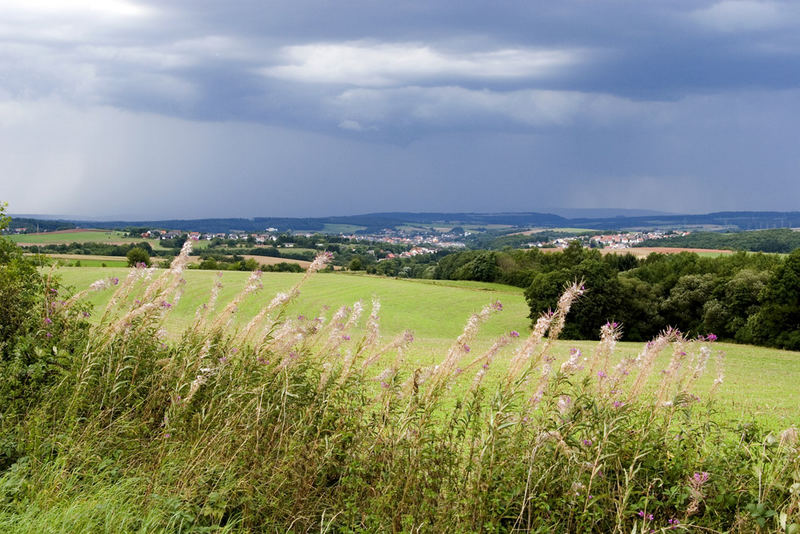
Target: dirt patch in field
271 260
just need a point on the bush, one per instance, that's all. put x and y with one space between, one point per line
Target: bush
138 256
37 334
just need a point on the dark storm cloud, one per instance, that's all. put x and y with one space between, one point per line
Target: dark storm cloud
357 106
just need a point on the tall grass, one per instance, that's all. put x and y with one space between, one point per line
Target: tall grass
298 424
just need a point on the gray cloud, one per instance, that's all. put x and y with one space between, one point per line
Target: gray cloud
197 108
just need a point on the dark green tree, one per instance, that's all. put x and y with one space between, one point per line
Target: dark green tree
778 321
137 255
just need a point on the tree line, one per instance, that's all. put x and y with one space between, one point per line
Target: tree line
743 297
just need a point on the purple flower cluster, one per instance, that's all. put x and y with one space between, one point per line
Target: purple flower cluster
701 478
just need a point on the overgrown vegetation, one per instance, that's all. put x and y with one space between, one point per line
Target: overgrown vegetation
299 424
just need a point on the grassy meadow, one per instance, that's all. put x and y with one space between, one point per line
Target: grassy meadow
759 382
254 414
108 237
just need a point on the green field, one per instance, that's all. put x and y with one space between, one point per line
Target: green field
759 382
89 236
92 262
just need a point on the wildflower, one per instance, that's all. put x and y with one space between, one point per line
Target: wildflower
587 443
53 290
459 370
48 334
384 385
346 337
48 320
466 348
486 366
165 304
601 374
564 403
114 281
618 404
301 317
167 435
223 360
701 478
85 313
513 333
711 337
498 306
234 350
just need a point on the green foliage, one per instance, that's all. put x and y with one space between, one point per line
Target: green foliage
98 249
355 264
778 320
37 334
138 255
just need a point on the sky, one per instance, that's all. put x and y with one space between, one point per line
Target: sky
240 108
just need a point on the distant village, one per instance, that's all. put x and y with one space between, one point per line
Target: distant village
419 242
612 241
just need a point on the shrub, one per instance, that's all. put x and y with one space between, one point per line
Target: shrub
138 255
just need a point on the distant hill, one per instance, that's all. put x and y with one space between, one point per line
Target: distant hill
376 222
